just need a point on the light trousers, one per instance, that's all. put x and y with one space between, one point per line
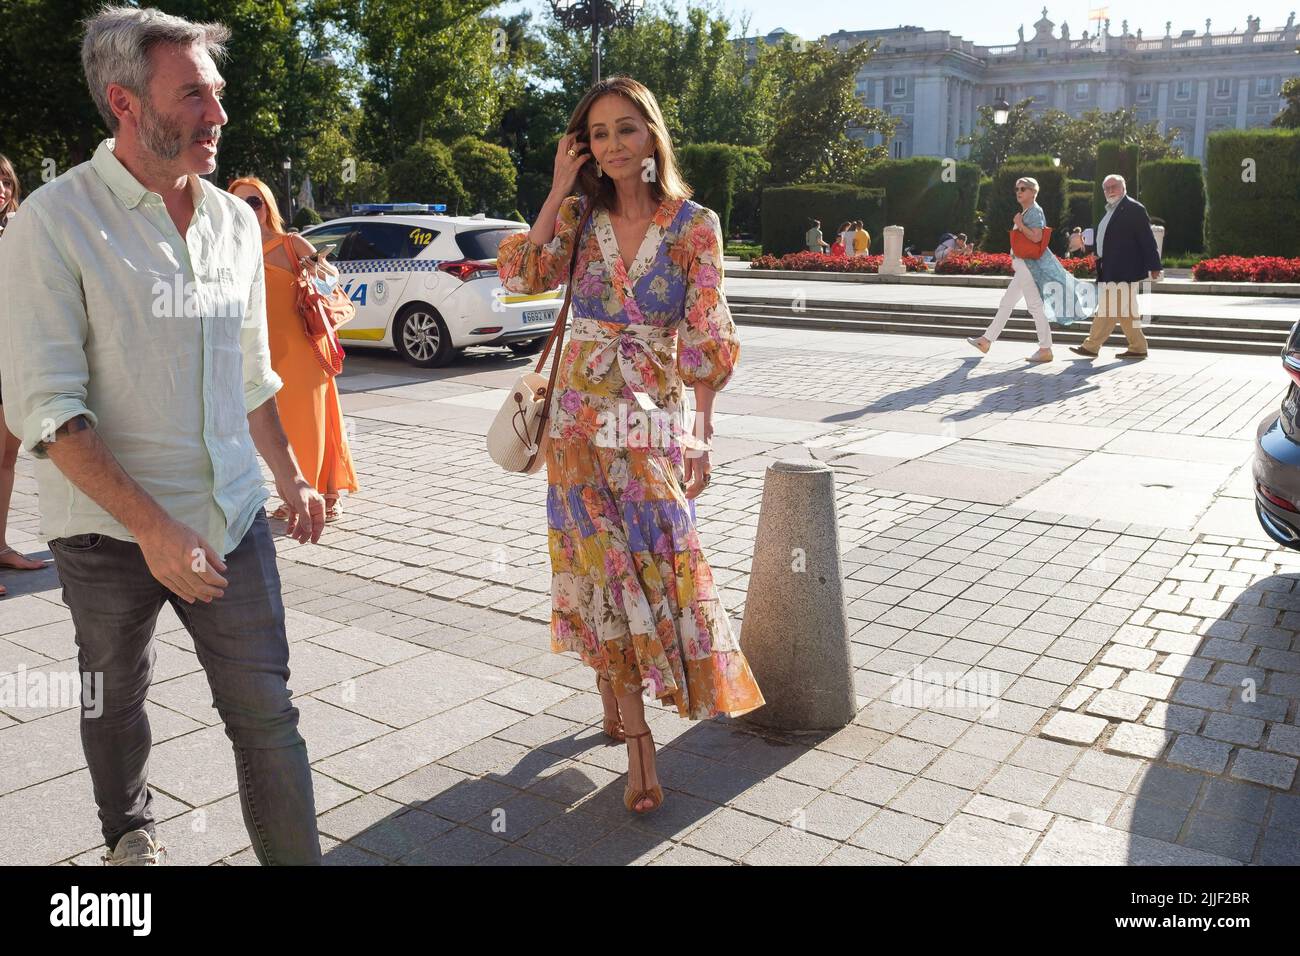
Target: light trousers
1022 287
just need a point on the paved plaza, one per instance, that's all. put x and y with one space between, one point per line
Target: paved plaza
1076 539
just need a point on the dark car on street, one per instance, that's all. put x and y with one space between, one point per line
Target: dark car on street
1277 457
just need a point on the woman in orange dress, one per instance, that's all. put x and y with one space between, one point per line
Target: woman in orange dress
309 401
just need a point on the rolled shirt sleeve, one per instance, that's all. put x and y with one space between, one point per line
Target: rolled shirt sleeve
260 380
708 346
526 268
43 326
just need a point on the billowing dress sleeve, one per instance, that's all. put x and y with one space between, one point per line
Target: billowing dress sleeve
708 346
526 268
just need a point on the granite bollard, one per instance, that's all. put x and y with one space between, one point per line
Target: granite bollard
795 629
892 264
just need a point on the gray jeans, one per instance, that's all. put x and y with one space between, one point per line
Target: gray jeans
240 642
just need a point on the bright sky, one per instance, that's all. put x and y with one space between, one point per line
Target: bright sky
990 23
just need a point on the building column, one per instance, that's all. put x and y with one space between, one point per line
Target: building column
1243 92
952 110
1162 106
879 103
1198 140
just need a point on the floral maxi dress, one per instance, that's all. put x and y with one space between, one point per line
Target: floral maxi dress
631 591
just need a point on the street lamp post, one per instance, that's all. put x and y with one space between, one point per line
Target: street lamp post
581 14
288 187
1001 113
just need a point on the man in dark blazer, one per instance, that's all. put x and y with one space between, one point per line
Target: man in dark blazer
1126 255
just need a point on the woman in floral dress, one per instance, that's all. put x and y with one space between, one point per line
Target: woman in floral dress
631 591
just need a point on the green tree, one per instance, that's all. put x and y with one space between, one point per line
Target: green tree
48 120
1056 133
1289 118
820 121
488 175
430 72
426 172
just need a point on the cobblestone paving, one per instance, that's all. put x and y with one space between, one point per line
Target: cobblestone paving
1075 393
1035 687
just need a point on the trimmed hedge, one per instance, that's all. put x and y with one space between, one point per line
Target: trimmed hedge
1113 157
918 199
1002 204
717 171
306 216
786 212
1079 210
1173 190
1259 217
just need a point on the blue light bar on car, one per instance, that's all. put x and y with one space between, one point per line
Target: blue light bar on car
378 208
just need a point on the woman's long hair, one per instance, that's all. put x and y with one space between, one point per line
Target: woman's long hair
15 188
667 182
273 220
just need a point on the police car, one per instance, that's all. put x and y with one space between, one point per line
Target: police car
425 283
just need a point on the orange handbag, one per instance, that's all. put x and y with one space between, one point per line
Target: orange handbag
1022 247
323 307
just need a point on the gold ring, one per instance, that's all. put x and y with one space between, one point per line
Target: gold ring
573 152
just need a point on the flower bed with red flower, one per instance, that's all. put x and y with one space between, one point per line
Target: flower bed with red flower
999 264
1247 269
824 262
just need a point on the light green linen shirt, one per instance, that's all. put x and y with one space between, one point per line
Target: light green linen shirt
159 341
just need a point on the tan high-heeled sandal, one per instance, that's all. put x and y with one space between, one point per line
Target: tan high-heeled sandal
613 726
632 797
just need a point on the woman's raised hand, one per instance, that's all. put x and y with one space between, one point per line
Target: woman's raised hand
567 166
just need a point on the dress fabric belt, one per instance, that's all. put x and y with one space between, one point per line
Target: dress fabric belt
639 350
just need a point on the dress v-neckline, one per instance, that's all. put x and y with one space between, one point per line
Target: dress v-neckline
275 241
646 252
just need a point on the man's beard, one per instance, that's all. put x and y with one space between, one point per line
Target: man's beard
158 134
162 136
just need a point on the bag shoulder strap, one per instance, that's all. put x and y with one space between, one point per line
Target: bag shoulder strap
556 337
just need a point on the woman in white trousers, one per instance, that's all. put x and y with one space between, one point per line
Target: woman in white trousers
1024 283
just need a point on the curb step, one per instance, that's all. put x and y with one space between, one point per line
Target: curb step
1248 336
1016 330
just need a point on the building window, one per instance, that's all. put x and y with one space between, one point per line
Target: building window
898 149
1080 91
1144 91
999 93
1264 86
900 86
1223 86
1183 90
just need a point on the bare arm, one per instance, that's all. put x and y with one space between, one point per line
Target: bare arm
306 506
86 461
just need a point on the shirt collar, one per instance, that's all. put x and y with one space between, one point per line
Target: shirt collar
125 186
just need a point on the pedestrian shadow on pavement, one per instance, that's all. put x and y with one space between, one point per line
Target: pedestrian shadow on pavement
558 804
30 582
1009 390
1224 781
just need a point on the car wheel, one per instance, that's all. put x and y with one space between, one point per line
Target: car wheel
421 337
531 347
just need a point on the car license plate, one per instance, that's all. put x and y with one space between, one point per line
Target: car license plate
1289 405
538 316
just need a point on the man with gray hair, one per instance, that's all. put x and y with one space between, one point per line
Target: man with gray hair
1126 254
134 360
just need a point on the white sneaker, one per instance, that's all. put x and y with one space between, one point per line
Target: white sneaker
980 344
136 849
